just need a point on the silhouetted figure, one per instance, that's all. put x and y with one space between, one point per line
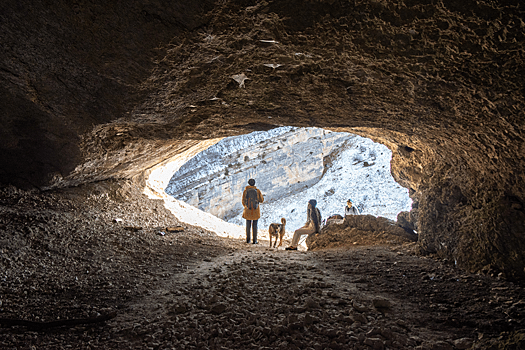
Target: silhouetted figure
251 197
350 209
312 225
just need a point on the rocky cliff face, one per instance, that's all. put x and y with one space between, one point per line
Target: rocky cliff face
358 169
282 162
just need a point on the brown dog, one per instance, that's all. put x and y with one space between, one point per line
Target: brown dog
277 231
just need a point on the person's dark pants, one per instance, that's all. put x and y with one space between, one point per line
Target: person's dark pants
251 224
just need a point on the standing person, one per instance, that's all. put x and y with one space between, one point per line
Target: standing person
251 197
350 209
313 224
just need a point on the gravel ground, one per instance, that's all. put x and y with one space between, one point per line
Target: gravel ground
64 256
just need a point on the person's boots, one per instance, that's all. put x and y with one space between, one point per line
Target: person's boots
248 226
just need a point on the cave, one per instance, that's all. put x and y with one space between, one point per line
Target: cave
97 96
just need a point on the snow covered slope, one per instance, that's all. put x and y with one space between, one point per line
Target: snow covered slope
361 171
284 161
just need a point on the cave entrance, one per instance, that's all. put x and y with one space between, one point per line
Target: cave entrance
290 165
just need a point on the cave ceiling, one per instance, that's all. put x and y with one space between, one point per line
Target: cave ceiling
92 92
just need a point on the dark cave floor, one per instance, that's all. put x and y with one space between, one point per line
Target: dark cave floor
63 256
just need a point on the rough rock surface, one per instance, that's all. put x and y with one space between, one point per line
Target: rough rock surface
91 92
358 230
64 256
283 165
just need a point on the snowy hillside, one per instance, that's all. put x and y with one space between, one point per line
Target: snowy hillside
287 163
360 172
208 162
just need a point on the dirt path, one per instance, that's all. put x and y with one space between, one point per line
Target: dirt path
194 290
256 298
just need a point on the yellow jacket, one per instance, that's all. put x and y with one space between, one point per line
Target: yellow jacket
251 214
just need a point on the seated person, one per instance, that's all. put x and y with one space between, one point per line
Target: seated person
350 209
313 224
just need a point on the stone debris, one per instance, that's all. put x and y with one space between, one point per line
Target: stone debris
381 303
240 79
310 303
268 308
272 65
375 343
359 307
359 230
218 308
269 41
441 345
192 290
463 343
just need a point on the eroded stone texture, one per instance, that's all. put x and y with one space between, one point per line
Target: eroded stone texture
66 68
282 166
86 95
357 230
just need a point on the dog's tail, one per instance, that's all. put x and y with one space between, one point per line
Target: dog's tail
283 221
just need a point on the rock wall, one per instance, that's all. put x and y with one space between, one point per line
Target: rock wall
282 165
66 67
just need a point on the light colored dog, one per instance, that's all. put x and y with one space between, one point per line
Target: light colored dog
277 231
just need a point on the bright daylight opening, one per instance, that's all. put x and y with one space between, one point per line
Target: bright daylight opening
290 165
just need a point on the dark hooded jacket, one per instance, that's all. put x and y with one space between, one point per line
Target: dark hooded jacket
313 215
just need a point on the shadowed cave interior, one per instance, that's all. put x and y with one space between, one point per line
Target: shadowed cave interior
95 97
